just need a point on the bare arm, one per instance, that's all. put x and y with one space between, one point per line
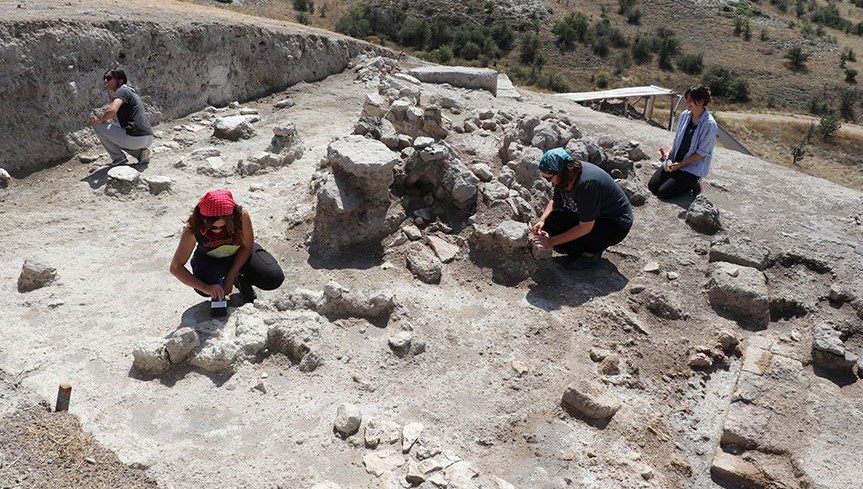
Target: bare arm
179 270
582 229
109 114
545 213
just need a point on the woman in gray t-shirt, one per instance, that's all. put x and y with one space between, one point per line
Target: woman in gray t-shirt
132 134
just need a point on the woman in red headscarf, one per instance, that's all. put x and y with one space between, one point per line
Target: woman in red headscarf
219 232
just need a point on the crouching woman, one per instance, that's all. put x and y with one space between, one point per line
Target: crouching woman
219 238
588 211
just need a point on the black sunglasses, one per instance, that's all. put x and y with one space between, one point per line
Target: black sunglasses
108 77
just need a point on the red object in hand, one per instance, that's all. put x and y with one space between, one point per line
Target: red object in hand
662 153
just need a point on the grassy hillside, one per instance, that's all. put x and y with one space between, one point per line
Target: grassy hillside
785 56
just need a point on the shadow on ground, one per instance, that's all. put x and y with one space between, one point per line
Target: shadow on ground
557 284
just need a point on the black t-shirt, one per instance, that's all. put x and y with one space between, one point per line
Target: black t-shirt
685 143
131 115
596 196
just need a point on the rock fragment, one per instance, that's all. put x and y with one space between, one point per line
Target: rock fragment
380 462
739 293
410 434
348 419
181 343
122 179
423 263
150 357
233 128
35 275
589 401
829 352
5 178
703 216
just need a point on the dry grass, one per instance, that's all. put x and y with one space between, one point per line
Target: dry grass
771 136
40 449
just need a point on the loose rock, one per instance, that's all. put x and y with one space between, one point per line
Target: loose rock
588 401
703 216
35 275
348 419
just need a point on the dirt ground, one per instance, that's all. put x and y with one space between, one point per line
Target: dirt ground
191 429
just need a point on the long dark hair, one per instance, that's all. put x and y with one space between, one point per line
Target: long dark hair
570 173
199 224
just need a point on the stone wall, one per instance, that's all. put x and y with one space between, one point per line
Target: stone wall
51 74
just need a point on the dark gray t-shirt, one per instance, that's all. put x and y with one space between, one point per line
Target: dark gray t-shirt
596 196
131 114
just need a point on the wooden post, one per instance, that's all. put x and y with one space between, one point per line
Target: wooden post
648 107
64 392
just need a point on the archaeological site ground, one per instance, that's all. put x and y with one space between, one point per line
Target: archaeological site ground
419 339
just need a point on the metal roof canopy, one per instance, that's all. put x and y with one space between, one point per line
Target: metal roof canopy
648 92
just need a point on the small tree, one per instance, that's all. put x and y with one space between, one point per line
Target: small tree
303 18
797 58
828 125
322 10
847 55
765 36
798 151
530 45
850 76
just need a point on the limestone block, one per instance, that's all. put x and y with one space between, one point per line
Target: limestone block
35 275
157 184
410 434
444 250
829 352
233 128
482 171
348 419
380 431
150 357
458 76
181 343
380 462
368 160
423 263
739 293
589 401
5 178
215 355
122 179
743 255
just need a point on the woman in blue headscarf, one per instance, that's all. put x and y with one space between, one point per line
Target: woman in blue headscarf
588 211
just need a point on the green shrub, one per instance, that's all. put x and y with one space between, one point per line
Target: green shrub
414 32
727 84
642 49
828 125
303 18
530 46
442 54
848 99
575 27
633 16
765 36
847 55
624 5
740 8
622 62
600 47
798 151
601 80
850 75
668 47
304 5
796 57
554 82
691 64
829 16
322 10
782 5
503 35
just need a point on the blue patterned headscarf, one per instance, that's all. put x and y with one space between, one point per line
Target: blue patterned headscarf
554 160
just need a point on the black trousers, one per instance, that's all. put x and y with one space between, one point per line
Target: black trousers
605 232
670 184
260 270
